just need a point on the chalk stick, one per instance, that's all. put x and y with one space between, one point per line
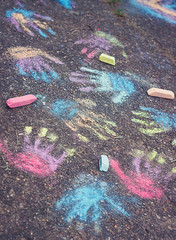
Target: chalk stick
103 163
21 101
107 59
162 93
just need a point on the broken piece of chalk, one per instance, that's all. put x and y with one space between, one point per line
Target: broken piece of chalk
103 163
21 101
107 59
157 92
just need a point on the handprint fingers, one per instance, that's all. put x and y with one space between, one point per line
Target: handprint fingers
84 69
16 24
155 121
77 77
22 22
166 120
28 52
118 85
95 124
23 19
51 73
37 25
118 98
32 62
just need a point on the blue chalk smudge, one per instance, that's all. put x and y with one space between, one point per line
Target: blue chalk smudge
51 31
66 3
54 75
64 109
26 13
122 85
42 33
152 12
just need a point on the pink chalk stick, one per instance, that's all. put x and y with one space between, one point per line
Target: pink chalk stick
21 101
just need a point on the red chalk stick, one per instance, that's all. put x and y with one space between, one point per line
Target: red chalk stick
21 101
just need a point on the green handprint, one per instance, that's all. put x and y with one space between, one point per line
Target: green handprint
155 121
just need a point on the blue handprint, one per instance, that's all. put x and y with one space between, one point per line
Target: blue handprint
90 201
100 81
23 20
35 63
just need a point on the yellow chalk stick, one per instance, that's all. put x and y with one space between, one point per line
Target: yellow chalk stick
107 59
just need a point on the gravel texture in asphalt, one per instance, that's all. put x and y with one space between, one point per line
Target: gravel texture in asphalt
51 185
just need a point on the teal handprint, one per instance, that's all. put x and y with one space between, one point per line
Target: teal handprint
120 86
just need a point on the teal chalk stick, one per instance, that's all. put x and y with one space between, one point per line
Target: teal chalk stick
103 163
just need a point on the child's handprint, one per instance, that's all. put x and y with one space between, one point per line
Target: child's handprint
34 158
95 42
94 123
80 114
90 200
107 82
157 121
32 62
138 182
160 9
159 160
23 20
98 42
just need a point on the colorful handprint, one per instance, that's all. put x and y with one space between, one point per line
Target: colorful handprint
34 159
120 87
79 115
160 9
89 201
32 62
155 121
139 183
98 42
24 20
159 160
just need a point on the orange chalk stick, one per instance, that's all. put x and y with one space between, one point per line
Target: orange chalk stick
157 92
21 101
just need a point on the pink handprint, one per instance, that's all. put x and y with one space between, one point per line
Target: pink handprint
34 159
139 183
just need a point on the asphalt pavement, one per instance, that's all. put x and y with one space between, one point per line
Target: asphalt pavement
51 184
